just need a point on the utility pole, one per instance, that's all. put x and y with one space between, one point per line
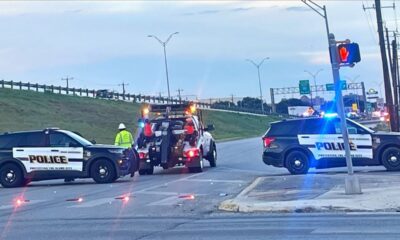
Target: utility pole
123 84
164 45
179 94
395 83
67 79
259 78
386 77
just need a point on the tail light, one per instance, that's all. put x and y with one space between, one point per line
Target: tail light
191 153
267 141
142 155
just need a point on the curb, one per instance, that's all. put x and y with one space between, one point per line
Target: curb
373 200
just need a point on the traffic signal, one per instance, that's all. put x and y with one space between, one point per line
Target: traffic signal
349 53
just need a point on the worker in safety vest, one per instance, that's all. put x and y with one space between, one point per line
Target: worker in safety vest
189 126
147 129
124 137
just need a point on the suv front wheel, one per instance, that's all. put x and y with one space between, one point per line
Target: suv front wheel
297 162
103 171
11 176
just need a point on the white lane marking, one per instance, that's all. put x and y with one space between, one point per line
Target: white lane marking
10 206
92 203
167 183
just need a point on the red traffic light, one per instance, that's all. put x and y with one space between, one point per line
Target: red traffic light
349 53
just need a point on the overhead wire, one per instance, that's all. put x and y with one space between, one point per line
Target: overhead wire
370 22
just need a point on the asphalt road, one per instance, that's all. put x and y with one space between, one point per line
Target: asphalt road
172 204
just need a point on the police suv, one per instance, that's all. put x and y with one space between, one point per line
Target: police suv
57 154
298 144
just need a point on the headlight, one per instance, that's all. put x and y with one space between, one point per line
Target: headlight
116 151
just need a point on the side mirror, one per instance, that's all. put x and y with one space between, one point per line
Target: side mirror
209 128
93 141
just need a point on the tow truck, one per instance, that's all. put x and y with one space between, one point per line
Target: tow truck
175 136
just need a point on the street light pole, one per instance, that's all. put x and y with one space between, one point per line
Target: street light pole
164 45
314 76
259 78
352 184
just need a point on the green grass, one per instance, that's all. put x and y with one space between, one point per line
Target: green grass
98 119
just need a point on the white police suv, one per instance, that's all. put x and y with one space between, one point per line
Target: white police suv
60 154
298 144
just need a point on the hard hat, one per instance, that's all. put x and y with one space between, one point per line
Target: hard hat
121 126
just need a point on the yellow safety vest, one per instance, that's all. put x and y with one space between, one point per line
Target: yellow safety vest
124 139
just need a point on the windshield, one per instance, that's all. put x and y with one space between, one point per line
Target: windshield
361 126
77 138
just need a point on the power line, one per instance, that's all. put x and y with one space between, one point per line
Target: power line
370 22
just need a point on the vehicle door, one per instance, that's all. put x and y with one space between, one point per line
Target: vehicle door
359 138
32 150
319 136
203 139
68 150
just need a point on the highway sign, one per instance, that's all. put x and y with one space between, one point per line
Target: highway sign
331 86
304 87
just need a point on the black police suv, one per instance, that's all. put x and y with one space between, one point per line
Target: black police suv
298 144
57 154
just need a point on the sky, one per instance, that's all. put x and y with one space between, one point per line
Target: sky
104 43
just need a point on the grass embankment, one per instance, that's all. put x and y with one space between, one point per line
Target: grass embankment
98 119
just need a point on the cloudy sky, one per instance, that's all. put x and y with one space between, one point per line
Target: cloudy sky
102 44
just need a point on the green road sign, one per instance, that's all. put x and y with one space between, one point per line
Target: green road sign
331 86
304 87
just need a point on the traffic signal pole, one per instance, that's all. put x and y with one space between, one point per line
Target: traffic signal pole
352 184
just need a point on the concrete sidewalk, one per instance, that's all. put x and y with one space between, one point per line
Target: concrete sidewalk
318 193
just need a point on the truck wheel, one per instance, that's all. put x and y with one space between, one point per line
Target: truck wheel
297 162
213 157
150 171
197 169
142 172
391 159
11 176
103 171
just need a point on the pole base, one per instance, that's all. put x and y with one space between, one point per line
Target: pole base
352 185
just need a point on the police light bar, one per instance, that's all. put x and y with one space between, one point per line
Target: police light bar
330 115
188 108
